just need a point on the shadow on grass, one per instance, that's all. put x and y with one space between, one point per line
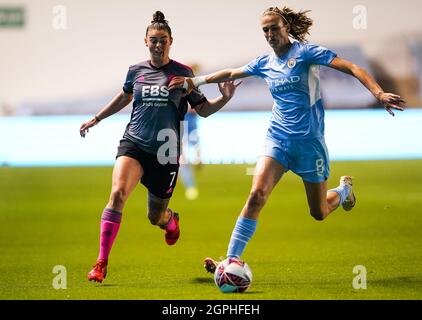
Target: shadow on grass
203 280
393 282
106 285
397 281
248 292
211 280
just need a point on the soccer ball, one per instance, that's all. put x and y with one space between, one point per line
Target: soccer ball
233 275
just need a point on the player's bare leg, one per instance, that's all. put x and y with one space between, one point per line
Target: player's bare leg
268 173
160 215
126 175
322 201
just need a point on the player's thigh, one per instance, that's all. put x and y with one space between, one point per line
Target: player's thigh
126 174
159 179
268 173
316 193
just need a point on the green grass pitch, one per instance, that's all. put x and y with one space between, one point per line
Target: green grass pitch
50 216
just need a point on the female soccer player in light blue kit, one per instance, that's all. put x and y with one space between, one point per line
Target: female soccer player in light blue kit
295 138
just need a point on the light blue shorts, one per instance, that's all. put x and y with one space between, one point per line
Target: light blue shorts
307 158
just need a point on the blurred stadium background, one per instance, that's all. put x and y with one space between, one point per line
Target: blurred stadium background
73 65
62 61
70 58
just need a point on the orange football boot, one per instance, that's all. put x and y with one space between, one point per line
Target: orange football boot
99 271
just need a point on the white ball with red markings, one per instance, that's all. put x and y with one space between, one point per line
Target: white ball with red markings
233 275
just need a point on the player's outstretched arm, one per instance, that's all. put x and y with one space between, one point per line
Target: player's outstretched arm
121 100
389 100
220 76
227 89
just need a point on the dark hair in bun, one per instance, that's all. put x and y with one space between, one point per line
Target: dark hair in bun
159 23
158 16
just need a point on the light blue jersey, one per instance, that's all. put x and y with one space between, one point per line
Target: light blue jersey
293 81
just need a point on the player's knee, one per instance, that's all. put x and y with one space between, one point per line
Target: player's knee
154 217
257 199
318 214
118 198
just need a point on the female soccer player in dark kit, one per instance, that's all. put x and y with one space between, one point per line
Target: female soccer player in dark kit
150 148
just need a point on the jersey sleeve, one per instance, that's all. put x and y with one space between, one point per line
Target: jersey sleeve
319 55
128 85
253 68
196 97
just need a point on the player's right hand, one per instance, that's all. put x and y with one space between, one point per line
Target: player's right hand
86 125
178 82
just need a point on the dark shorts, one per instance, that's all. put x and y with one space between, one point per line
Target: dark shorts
159 179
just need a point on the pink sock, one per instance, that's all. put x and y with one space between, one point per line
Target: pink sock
110 224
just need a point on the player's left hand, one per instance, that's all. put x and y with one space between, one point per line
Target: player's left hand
391 101
228 88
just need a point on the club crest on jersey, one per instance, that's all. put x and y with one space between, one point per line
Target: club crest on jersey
291 63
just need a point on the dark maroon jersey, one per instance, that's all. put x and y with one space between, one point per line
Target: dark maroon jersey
157 111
